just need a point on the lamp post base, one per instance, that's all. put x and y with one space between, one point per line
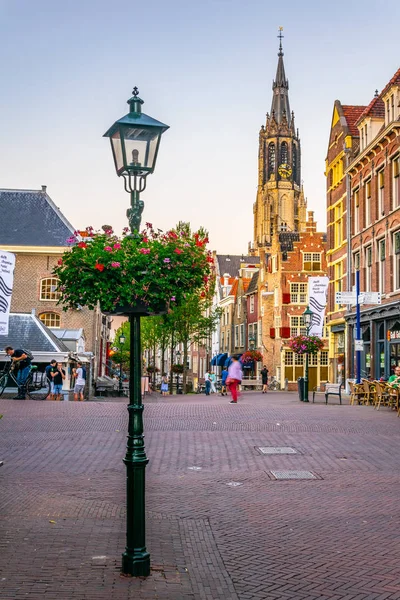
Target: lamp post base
136 564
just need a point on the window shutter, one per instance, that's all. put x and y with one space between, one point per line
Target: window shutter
272 333
285 298
285 332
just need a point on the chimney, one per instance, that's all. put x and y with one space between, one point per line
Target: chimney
33 312
226 279
311 225
44 188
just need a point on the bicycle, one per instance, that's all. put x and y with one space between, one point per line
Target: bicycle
37 385
274 385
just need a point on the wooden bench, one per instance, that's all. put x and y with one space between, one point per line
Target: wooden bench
331 389
251 383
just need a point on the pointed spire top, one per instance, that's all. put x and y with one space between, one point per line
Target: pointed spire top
280 36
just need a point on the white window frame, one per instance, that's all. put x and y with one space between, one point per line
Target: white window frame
381 192
239 307
368 192
381 258
356 212
368 268
241 335
396 182
314 260
298 292
252 303
297 325
236 336
51 319
47 289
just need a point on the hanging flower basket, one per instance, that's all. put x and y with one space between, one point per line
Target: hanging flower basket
178 368
251 356
306 344
146 273
152 369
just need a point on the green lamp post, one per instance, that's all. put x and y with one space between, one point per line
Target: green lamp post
121 343
307 315
135 140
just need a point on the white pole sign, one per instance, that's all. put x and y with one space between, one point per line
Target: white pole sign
7 265
317 293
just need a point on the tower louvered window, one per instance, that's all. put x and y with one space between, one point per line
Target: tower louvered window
294 162
271 159
284 153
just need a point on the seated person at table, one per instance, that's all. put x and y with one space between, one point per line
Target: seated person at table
394 380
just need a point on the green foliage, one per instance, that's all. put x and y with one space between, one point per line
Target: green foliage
155 269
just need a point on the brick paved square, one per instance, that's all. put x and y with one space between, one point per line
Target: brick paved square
62 501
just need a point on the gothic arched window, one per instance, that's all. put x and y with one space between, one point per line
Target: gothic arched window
284 153
294 162
271 159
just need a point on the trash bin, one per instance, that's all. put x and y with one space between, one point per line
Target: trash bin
300 387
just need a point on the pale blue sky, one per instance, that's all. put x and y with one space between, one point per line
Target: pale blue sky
204 68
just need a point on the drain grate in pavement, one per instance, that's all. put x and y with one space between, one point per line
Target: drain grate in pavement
276 450
293 475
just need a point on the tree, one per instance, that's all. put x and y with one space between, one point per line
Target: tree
193 322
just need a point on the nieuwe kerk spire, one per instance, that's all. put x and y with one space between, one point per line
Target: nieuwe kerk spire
280 100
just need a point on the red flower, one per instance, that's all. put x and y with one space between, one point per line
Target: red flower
178 251
99 267
60 261
82 245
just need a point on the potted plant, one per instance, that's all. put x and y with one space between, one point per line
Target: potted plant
306 344
251 356
147 273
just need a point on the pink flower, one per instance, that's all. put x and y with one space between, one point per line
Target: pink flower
115 264
144 250
173 298
108 248
167 260
149 225
125 230
117 246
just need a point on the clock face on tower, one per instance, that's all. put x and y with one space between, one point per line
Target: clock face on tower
284 171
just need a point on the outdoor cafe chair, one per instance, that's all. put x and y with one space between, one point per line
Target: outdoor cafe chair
357 393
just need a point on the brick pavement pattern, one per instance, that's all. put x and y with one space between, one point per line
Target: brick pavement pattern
62 500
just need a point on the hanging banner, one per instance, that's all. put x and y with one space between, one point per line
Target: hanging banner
317 300
7 265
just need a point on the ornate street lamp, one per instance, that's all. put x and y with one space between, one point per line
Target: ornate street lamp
252 342
121 343
307 316
135 141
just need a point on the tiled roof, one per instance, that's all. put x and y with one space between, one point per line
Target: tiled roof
28 332
352 114
231 264
394 81
253 284
376 108
234 288
246 283
32 219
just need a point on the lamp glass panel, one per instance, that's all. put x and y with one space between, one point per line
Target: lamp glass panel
141 147
117 150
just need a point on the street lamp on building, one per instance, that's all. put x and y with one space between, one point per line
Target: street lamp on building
135 140
121 343
307 316
252 342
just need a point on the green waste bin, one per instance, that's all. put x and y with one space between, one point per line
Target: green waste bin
300 387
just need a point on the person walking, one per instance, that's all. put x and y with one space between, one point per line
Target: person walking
235 375
207 381
21 363
48 371
80 382
213 379
58 375
224 375
164 385
264 379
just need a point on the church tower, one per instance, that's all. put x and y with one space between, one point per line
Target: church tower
280 205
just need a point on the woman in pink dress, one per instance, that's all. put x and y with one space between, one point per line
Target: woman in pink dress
235 375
